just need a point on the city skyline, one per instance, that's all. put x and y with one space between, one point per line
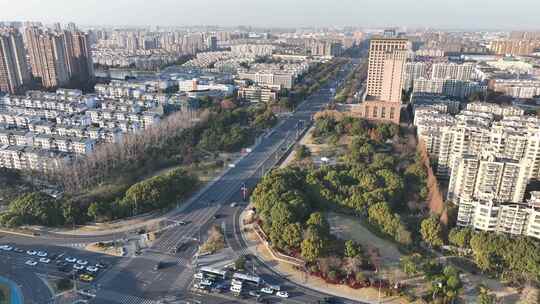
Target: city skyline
442 14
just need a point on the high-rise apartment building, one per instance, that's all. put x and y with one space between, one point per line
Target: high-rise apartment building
48 58
78 58
14 73
378 51
513 46
448 87
58 57
451 70
413 71
387 58
394 63
490 153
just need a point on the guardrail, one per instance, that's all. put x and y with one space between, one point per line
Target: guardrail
276 254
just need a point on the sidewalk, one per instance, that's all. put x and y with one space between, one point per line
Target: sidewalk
256 247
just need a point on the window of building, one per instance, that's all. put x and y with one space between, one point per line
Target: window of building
374 112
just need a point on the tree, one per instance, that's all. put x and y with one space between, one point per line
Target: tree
460 237
312 248
240 263
411 264
93 211
292 235
319 222
302 152
34 208
484 297
432 232
351 249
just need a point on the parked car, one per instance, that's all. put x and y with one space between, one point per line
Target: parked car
282 294
92 268
31 263
267 290
86 278
70 259
44 260
6 248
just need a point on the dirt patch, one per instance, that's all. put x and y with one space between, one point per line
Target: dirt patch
350 228
108 249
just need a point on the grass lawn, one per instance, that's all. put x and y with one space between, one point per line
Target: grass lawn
351 228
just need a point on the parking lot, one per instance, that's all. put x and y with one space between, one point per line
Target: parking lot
86 267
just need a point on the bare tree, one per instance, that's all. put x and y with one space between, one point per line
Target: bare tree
110 160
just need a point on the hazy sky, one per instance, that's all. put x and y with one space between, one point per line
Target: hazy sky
281 13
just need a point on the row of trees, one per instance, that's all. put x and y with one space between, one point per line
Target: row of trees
313 80
511 258
155 193
170 141
352 84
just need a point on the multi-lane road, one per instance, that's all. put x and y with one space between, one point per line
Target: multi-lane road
135 279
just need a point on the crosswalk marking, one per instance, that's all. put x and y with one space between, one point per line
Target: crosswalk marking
121 298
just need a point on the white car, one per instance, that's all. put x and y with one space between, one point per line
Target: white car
31 263
82 262
206 282
44 260
78 267
199 275
92 268
41 254
267 290
282 294
70 259
6 247
31 252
